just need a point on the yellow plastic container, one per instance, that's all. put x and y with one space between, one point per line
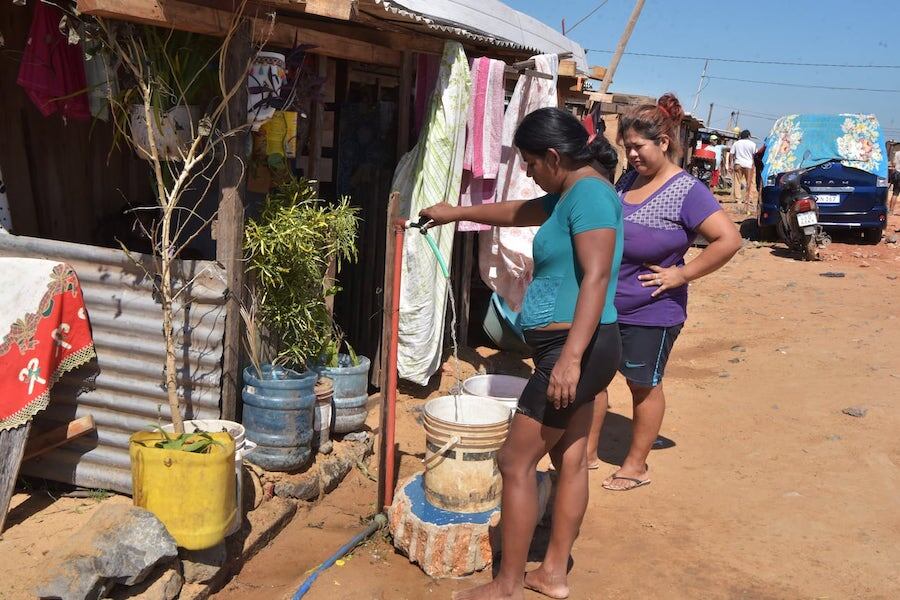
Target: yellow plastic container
192 494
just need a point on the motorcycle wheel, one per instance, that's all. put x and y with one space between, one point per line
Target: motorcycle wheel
810 249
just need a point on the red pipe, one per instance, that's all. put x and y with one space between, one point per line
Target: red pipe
391 417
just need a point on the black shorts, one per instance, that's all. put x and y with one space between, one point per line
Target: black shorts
895 180
598 367
645 352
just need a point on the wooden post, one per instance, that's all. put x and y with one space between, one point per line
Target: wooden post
620 49
316 126
465 293
709 116
12 447
230 228
390 250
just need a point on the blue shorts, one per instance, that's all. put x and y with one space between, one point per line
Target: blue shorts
645 352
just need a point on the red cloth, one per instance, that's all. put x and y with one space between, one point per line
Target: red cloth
52 70
714 180
588 122
45 341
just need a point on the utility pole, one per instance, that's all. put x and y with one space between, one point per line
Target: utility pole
699 87
623 41
709 116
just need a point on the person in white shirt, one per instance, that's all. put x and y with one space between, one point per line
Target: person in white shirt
895 177
743 151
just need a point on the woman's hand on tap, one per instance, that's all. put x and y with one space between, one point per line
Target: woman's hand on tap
439 214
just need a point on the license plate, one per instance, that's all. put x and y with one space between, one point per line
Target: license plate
806 219
828 198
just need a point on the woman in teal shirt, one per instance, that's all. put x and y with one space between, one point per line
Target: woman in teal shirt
570 322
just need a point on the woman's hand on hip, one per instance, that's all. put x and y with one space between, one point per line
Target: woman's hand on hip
441 213
663 278
563 382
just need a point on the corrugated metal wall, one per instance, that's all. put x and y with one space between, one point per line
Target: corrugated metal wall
127 328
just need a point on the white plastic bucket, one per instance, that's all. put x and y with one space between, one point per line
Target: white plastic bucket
462 437
242 447
505 389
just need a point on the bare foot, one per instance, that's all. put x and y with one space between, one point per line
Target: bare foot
552 586
489 591
626 479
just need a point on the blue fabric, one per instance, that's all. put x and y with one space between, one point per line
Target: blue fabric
856 140
551 296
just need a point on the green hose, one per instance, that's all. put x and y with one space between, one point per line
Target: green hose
437 253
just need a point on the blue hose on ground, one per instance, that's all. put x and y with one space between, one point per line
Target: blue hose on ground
377 522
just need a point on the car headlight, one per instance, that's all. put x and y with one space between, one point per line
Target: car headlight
881 182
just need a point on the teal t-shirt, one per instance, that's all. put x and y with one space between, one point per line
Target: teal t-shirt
589 204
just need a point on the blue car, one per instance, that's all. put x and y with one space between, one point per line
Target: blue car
850 178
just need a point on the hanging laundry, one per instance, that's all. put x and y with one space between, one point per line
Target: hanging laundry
504 253
427 68
100 81
52 71
484 137
430 173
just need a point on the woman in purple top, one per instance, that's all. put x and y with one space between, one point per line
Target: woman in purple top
664 209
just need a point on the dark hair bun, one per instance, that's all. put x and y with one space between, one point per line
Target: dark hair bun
604 153
671 107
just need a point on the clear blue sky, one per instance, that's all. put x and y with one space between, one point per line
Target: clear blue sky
818 31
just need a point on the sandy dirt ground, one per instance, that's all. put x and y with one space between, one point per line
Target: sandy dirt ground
768 490
37 522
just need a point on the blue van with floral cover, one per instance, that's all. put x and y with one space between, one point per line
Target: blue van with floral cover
850 178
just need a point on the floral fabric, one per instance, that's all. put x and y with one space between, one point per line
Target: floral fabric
44 332
854 139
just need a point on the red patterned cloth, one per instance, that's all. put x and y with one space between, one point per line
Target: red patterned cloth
46 332
52 70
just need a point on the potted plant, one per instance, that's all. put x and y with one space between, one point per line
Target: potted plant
288 249
350 374
182 68
186 478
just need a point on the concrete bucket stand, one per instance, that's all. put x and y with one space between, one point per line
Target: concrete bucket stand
445 543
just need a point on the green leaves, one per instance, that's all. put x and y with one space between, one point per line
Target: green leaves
288 250
198 442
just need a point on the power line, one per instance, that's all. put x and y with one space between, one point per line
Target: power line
586 17
803 85
750 61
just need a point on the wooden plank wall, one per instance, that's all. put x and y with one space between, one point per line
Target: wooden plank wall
365 154
61 178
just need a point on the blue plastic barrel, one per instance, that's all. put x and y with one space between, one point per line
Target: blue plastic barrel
351 393
278 416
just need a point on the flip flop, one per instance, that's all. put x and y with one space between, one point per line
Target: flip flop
637 483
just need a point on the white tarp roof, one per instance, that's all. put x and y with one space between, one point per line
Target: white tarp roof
489 21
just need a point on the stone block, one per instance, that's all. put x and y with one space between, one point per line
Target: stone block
444 543
119 544
163 584
200 566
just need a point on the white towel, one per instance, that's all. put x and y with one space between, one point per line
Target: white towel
505 252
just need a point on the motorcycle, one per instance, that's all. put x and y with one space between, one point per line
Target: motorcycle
703 163
799 225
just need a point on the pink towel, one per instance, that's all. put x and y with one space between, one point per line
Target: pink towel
484 133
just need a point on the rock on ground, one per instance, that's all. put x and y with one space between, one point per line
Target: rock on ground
200 566
119 544
164 584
